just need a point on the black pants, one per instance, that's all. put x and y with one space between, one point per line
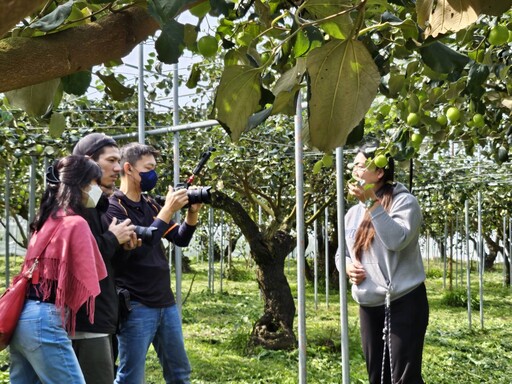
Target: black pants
96 359
409 319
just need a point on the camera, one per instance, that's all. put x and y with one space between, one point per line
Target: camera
199 195
143 233
196 195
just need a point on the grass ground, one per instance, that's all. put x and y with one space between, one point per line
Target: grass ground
217 326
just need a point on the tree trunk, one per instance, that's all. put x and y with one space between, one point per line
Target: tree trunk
274 329
494 248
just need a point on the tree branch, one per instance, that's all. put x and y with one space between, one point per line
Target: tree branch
12 11
27 61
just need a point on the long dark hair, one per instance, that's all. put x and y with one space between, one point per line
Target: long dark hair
366 232
66 179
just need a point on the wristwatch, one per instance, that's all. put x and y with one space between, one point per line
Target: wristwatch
369 203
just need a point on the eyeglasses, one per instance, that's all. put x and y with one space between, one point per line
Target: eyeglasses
359 166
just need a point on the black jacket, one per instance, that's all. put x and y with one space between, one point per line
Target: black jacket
145 271
106 304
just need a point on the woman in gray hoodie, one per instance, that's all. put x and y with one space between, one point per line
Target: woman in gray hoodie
384 265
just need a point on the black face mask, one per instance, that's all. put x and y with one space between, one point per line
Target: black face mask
148 180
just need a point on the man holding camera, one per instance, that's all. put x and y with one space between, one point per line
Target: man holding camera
92 343
144 273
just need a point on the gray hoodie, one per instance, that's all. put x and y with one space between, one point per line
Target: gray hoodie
393 261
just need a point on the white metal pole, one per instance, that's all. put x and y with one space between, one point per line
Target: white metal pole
299 198
221 249
326 246
141 99
211 252
32 192
504 250
481 260
456 235
7 222
510 253
315 256
468 261
342 272
176 167
445 255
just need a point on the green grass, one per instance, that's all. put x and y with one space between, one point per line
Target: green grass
217 328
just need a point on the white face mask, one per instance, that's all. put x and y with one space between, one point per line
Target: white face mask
94 195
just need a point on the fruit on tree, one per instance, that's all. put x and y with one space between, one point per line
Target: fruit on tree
453 114
498 35
380 161
413 119
207 46
442 119
416 139
478 120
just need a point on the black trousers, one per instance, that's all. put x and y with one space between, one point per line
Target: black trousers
409 320
96 359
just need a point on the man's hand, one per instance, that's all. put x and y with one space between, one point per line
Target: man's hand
133 243
174 201
124 232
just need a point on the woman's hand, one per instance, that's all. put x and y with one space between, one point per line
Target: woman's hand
356 272
362 191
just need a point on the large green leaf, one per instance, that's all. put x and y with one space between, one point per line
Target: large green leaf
343 81
77 83
54 19
35 99
170 44
286 89
164 11
442 58
114 88
307 39
237 98
57 124
338 27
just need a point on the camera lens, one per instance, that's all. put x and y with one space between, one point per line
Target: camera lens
199 195
144 233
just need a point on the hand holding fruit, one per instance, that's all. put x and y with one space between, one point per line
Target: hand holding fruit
361 190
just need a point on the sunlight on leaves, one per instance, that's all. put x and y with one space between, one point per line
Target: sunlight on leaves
343 83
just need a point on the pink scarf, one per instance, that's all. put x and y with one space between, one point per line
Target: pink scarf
71 265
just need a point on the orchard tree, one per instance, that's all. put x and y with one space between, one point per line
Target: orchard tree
343 53
416 74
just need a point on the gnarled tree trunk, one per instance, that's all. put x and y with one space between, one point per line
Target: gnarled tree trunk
274 329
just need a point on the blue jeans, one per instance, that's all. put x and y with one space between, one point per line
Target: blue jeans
160 326
40 350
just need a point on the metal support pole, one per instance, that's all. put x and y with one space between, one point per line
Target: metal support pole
221 248
315 256
504 250
211 253
326 239
468 262
445 255
176 167
510 253
481 260
342 272
141 100
456 235
299 198
7 221
32 192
